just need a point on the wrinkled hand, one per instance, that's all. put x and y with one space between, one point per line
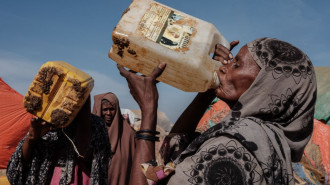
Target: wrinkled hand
222 54
143 88
38 128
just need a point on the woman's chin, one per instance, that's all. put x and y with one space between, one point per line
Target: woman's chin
218 92
108 121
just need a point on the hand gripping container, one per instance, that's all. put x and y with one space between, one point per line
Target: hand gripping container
150 33
58 92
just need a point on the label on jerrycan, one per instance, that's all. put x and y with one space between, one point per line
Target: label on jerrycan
167 27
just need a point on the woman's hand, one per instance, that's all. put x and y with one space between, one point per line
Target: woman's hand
143 88
38 128
222 54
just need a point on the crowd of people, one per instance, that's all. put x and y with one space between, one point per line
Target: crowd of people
269 86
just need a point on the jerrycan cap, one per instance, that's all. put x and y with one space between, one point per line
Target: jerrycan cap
215 81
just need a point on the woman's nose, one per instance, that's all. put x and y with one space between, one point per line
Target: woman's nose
223 69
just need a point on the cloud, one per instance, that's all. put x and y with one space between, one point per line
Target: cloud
104 83
17 71
14 65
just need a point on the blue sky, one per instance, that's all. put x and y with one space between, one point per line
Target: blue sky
79 32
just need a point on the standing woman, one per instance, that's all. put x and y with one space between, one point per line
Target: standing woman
76 154
121 137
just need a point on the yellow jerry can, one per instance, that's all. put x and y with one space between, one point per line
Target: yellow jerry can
58 92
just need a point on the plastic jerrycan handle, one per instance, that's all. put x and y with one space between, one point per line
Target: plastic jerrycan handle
217 39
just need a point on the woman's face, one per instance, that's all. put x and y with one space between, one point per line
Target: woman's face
236 76
108 112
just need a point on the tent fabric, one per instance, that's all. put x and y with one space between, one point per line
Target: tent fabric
322 107
321 138
14 122
213 115
304 176
162 120
314 167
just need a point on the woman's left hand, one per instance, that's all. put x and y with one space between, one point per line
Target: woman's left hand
143 88
223 54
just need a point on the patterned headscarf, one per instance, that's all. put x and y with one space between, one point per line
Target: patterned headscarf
288 81
273 119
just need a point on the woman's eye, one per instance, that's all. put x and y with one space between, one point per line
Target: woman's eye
235 65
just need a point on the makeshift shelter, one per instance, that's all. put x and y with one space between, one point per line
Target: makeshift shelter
162 121
14 122
216 111
322 107
314 166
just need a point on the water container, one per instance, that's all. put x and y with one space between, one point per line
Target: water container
58 92
150 33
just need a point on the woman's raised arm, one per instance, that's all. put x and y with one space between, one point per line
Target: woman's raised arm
145 93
